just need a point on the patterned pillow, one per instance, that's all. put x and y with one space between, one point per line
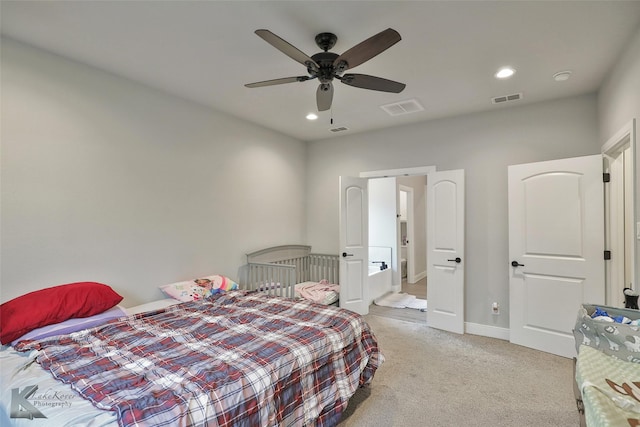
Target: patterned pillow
197 289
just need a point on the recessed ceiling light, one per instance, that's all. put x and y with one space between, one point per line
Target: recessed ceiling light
505 73
312 116
562 76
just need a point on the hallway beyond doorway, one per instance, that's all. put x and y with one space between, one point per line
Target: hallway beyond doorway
419 289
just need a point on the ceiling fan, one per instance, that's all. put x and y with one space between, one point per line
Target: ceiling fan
326 66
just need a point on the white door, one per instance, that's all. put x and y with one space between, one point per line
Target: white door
445 249
556 249
354 246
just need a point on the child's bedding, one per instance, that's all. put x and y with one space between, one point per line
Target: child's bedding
610 389
321 292
233 359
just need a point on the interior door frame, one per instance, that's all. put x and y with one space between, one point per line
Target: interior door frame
613 146
389 173
411 267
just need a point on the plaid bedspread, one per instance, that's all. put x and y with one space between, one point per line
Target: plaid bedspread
233 360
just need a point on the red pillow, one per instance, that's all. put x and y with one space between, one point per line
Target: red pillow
54 305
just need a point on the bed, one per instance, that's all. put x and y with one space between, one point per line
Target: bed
607 368
234 358
293 271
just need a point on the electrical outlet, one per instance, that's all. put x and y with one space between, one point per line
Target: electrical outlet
495 308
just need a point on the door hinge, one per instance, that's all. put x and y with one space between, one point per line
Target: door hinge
607 255
606 177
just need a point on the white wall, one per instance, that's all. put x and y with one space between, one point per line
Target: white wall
483 145
618 104
383 223
107 180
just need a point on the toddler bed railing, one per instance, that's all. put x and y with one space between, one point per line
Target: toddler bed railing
277 270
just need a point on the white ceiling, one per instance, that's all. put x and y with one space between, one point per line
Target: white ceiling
207 50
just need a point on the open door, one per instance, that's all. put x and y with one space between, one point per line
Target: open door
445 249
556 249
354 244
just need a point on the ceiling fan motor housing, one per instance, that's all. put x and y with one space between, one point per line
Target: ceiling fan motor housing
325 72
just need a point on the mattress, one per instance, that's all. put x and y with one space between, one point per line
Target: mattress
152 306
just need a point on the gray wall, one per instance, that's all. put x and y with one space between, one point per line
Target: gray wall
106 180
618 104
481 144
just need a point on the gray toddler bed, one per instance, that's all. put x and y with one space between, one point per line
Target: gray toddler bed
292 271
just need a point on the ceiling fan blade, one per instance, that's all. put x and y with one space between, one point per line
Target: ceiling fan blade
365 81
367 49
324 96
287 48
279 81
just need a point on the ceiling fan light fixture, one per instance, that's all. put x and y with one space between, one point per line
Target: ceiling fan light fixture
505 73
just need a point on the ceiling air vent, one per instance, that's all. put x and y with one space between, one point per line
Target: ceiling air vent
402 107
339 129
506 98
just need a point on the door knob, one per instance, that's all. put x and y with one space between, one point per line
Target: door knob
516 264
457 260
344 254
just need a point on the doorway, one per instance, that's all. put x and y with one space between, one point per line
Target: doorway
401 203
445 245
413 234
400 198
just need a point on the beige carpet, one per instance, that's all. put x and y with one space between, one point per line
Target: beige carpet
435 378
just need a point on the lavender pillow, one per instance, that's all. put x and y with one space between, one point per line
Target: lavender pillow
72 325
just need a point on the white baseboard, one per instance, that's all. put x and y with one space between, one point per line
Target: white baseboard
419 276
486 331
